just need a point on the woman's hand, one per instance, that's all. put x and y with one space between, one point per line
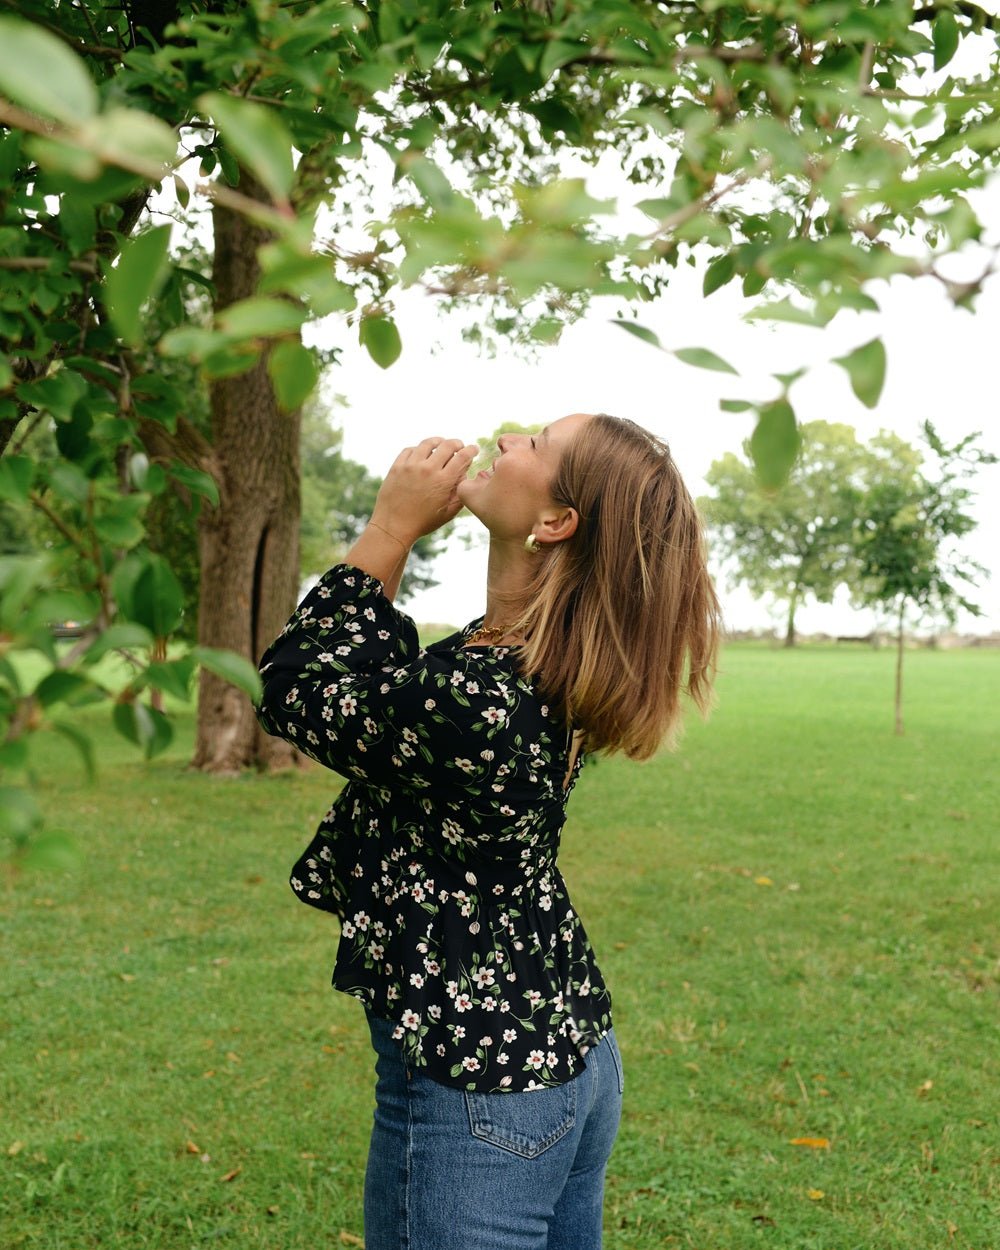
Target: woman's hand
418 494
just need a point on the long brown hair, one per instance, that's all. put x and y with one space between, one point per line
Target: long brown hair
622 616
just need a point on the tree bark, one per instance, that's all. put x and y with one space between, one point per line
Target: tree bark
249 544
899 670
793 603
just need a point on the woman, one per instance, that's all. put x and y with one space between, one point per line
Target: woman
499 1080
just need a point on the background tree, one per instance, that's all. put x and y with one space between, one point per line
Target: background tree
777 148
906 540
338 497
795 540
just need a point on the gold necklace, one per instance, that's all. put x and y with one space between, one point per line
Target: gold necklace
488 633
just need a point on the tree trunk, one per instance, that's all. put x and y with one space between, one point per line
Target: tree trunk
899 670
793 603
249 544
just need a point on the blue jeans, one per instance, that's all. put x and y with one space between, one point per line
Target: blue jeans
449 1170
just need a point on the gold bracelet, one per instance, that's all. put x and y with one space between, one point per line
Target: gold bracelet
375 525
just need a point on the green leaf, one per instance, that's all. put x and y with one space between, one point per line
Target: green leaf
16 473
311 277
293 372
258 137
55 850
157 598
426 177
192 341
774 444
198 481
230 667
120 525
125 637
719 272
558 53
63 687
171 676
83 745
19 812
137 276
58 393
58 156
702 358
144 726
39 71
866 368
121 134
945 33
640 332
20 577
785 310
163 734
379 335
735 405
14 754
70 483
259 317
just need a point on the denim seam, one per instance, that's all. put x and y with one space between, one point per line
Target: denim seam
616 1060
531 1150
409 1163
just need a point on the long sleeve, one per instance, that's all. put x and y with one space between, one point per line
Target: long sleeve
348 683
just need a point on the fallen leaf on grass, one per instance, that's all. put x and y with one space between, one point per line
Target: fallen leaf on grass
813 1143
815 1195
762 881
231 1176
126 976
349 1239
273 1210
15 1148
925 1088
192 1149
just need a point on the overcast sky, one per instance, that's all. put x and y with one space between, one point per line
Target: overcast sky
942 366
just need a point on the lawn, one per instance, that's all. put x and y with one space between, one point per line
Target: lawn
798 914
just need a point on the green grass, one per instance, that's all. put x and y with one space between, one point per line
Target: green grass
797 914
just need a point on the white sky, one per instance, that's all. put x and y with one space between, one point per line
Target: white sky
942 366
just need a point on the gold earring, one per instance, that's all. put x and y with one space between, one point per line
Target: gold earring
532 545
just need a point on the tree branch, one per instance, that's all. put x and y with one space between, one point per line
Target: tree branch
974 12
72 537
47 262
87 49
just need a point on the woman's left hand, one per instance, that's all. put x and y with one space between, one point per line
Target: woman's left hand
418 494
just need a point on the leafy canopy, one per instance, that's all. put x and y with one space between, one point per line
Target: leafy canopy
802 151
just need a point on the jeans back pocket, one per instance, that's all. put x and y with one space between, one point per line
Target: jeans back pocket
525 1123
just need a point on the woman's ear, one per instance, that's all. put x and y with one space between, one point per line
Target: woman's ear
556 526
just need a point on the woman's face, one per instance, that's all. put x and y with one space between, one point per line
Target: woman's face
513 497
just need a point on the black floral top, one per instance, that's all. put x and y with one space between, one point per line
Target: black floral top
439 856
